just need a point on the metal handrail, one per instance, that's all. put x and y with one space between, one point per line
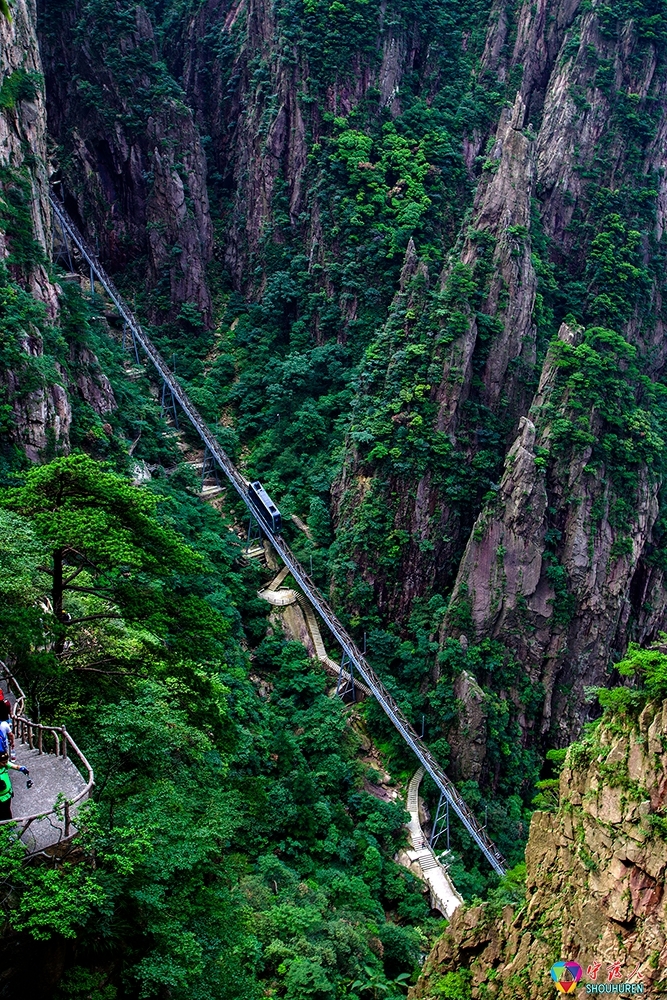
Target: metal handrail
27 730
319 602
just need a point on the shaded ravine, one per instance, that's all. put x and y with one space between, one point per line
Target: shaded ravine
356 658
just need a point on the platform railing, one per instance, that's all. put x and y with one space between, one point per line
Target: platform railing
39 737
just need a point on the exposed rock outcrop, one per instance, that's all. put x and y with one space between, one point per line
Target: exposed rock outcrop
595 879
467 736
539 555
547 568
41 413
35 387
496 251
23 133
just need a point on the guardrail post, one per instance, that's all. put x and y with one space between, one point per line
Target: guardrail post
64 732
39 739
30 742
67 818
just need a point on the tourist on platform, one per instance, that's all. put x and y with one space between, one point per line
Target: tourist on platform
6 734
6 785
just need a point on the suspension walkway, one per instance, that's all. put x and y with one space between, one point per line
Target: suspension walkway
43 814
353 658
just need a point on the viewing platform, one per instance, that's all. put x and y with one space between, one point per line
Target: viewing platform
61 777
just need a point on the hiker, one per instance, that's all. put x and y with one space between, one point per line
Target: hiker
6 785
6 734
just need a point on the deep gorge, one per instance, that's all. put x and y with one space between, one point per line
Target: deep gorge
409 263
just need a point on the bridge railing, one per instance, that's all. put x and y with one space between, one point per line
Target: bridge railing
40 737
317 599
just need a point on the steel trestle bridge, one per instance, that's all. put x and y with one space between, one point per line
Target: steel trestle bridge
352 654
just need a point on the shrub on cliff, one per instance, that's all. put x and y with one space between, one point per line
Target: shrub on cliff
649 668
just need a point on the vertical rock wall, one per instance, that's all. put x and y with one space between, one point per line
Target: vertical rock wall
594 882
522 523
39 415
132 167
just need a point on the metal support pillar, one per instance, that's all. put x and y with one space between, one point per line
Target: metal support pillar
66 243
163 409
345 685
173 398
438 828
136 348
254 533
92 283
209 467
122 343
173 407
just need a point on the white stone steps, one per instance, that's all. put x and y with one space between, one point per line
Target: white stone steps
444 896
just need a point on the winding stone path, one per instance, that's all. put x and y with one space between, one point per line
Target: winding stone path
282 597
444 896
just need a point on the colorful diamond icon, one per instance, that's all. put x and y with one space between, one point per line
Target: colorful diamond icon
566 975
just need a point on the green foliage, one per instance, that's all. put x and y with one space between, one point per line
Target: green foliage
510 891
648 667
16 196
230 842
76 504
615 272
452 986
21 85
648 18
602 375
20 584
108 29
80 984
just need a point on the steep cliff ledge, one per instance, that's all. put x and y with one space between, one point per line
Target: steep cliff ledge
595 872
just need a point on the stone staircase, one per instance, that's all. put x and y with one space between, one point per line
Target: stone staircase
444 896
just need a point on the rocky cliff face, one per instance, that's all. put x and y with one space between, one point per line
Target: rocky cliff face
23 132
551 227
36 383
550 567
39 412
595 879
132 166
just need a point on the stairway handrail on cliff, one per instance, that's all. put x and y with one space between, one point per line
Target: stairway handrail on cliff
32 733
319 602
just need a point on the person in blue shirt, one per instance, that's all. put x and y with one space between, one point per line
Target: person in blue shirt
6 730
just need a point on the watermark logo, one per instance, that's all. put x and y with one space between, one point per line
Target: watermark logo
566 975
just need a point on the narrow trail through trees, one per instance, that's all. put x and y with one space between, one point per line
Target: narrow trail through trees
353 658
